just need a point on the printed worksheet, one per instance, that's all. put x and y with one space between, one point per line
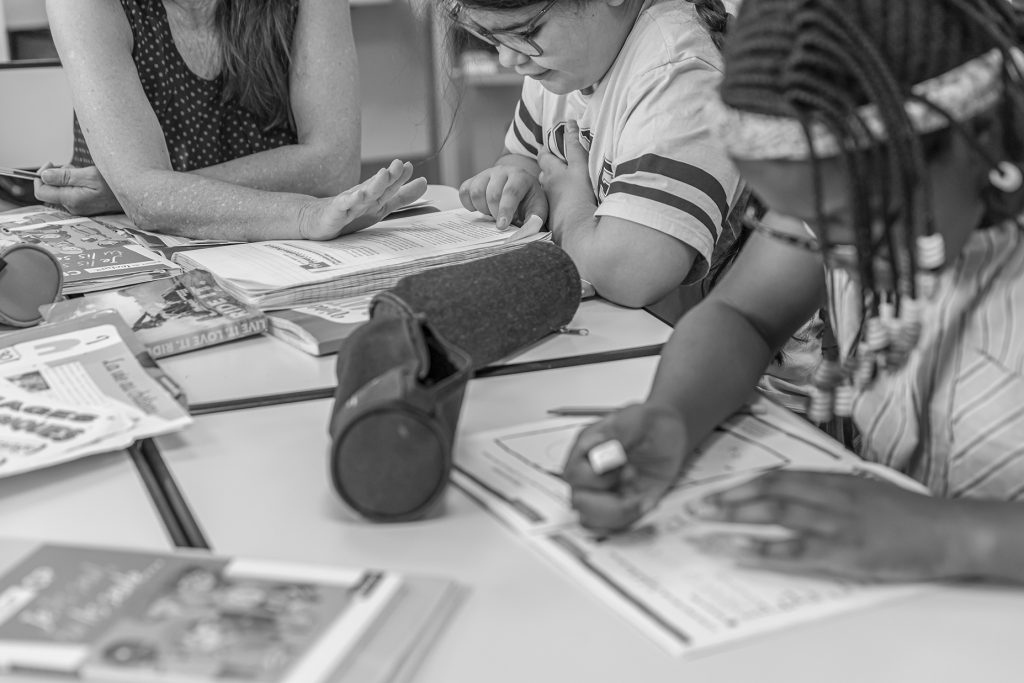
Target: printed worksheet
659 575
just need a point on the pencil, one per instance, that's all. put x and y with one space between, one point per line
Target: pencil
18 173
581 411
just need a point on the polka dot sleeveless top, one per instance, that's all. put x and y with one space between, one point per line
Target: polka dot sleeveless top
200 129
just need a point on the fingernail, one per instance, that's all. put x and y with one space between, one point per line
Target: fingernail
502 223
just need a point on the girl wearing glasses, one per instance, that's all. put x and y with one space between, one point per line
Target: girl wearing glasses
895 130
217 118
610 144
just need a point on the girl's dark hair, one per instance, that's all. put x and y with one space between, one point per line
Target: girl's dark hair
819 61
256 52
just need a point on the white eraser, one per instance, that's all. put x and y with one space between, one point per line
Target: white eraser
607 456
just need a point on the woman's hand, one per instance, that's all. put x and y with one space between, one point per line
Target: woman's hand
845 525
567 184
508 193
654 439
364 204
81 191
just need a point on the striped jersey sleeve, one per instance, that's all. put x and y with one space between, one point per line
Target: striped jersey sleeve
670 173
525 135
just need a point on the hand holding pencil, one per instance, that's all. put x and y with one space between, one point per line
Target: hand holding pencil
610 495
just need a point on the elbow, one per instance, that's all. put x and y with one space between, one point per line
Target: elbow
631 291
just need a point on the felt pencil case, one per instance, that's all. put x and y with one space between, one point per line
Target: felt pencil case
402 375
30 277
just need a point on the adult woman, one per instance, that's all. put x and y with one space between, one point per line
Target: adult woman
894 130
217 118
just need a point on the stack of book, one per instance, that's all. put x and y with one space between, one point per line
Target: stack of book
104 614
287 273
93 255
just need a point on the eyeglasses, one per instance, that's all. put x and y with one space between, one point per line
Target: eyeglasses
520 40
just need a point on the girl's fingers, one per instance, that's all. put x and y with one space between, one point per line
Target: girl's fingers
610 511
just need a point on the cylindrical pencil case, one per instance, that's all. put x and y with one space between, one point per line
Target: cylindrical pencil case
30 277
401 376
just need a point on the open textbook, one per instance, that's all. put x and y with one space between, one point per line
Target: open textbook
656 574
106 614
285 273
77 388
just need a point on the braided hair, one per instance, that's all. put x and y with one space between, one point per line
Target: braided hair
819 61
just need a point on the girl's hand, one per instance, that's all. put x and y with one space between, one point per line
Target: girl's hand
845 525
364 204
81 191
508 193
654 439
567 184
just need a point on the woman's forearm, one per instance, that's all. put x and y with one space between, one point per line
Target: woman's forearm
299 168
193 206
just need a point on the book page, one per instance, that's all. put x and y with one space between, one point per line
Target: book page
657 574
289 263
91 366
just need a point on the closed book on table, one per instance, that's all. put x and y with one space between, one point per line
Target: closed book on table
173 315
319 329
104 614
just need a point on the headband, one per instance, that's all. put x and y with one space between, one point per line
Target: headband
962 92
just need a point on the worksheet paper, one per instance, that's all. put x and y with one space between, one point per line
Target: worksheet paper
656 574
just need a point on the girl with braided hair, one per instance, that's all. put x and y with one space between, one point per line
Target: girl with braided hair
893 131
593 150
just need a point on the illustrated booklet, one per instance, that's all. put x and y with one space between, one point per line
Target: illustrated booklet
171 316
93 256
107 614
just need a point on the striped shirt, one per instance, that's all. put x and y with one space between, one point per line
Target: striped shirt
953 416
653 160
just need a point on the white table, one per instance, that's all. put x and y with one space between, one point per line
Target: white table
257 481
261 366
99 499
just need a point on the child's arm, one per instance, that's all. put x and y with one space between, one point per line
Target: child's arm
509 191
708 370
627 262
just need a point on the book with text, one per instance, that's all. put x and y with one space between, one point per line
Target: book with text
319 329
658 574
173 315
287 273
105 614
92 255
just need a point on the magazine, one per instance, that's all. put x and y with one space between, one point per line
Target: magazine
657 574
287 273
92 255
109 614
89 363
173 315
320 329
